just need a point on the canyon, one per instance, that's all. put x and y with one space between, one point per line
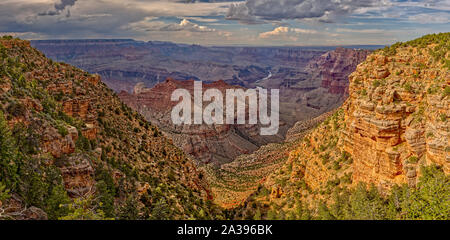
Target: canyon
388 136
69 144
312 81
371 142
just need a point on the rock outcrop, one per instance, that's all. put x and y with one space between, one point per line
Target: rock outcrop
397 116
393 126
123 63
214 143
76 138
334 67
395 120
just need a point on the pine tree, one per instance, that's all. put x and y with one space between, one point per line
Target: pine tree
8 156
160 210
257 215
130 210
431 199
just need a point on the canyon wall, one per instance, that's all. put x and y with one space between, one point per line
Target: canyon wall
72 138
214 143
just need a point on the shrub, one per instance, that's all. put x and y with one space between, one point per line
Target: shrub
83 210
8 156
446 91
62 130
325 158
16 109
408 87
413 159
4 193
56 203
376 83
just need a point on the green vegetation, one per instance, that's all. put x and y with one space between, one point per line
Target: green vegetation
84 209
413 159
446 91
8 156
32 155
4 193
428 201
41 187
441 40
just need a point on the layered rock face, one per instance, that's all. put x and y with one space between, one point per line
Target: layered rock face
394 121
393 125
318 88
216 144
398 115
304 94
234 182
334 67
312 81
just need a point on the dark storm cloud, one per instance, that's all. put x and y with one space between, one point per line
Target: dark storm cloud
64 3
59 7
251 10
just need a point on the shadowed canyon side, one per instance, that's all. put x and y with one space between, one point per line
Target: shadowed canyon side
70 149
392 130
372 141
311 79
217 143
232 183
320 88
303 96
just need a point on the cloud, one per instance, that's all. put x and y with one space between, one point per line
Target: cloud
186 25
241 13
280 31
430 18
59 7
324 10
204 21
365 31
149 25
276 32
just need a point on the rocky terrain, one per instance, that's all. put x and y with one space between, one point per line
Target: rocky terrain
70 149
232 183
217 144
123 63
303 96
320 88
399 116
392 134
311 79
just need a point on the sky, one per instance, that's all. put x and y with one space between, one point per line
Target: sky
228 22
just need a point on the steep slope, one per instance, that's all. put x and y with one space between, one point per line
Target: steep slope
303 95
232 183
399 116
66 136
334 67
217 144
392 130
314 95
